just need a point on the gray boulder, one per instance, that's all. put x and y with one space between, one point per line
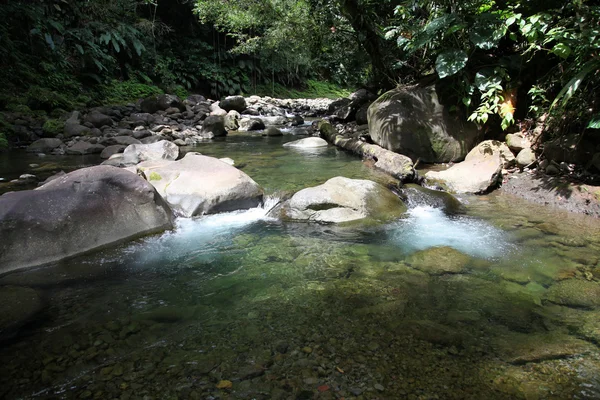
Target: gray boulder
122 140
251 124
232 120
480 172
73 126
517 142
44 145
98 119
214 126
307 143
111 150
272 131
342 200
161 102
525 157
198 185
162 150
82 148
90 208
412 121
237 103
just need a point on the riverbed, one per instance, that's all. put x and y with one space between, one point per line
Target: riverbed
501 300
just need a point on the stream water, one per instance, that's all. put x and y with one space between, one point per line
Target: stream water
500 301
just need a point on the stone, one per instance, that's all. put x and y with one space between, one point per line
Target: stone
44 145
237 103
413 122
198 185
82 148
161 102
17 306
73 126
342 200
98 119
111 150
91 208
572 149
575 293
362 114
415 195
251 124
216 110
122 140
232 120
517 142
525 157
162 150
439 260
480 172
272 131
214 126
307 143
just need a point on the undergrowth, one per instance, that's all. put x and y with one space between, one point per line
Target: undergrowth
313 90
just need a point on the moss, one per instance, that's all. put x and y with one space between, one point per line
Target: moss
53 127
155 176
122 92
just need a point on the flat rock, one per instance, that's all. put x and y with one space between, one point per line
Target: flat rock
307 143
82 148
575 293
439 260
44 145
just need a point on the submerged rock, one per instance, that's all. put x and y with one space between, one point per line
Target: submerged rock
439 260
197 185
575 293
480 172
90 208
307 143
17 306
415 195
413 122
45 145
342 200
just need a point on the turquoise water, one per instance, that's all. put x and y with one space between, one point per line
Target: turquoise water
239 305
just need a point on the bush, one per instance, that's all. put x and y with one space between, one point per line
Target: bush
53 127
39 98
121 92
3 142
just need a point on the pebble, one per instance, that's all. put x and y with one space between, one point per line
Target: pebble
307 350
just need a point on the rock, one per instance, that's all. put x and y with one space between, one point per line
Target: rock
162 150
572 149
237 103
227 160
214 126
279 120
552 169
198 185
411 121
481 170
307 143
575 293
123 140
272 131
152 139
44 145
232 120
17 306
341 200
517 142
297 120
251 124
415 195
525 157
337 105
216 110
142 118
160 102
194 99
594 162
362 115
73 126
116 160
111 150
439 260
81 148
98 119
91 208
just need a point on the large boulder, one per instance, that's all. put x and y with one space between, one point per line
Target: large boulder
415 195
109 151
214 126
342 200
517 142
73 126
237 103
251 124
307 143
161 150
82 148
98 119
480 172
44 145
413 122
161 102
232 120
75 213
197 185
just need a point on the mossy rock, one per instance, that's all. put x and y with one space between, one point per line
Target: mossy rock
53 127
439 260
575 293
154 176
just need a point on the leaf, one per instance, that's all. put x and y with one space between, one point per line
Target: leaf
562 50
571 87
594 123
79 48
49 40
486 78
450 62
57 7
485 37
116 46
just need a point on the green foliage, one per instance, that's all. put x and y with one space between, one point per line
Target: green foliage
53 127
3 142
312 90
122 92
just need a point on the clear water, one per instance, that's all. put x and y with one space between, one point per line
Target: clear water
302 311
